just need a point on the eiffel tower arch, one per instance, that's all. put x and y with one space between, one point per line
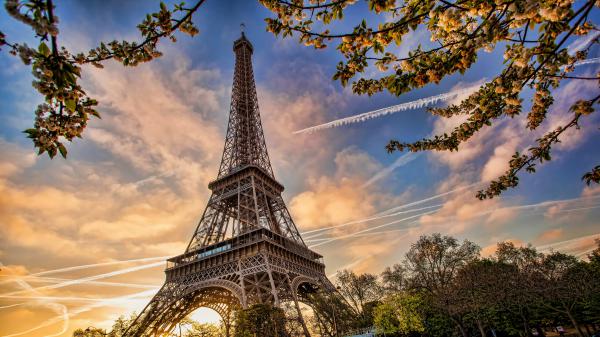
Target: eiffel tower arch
246 248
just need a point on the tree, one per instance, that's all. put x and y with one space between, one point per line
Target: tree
568 282
331 314
394 278
260 320
533 33
478 286
361 293
594 256
203 330
118 329
400 312
434 261
67 108
517 289
592 303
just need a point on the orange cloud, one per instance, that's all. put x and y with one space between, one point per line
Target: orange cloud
551 235
338 199
490 250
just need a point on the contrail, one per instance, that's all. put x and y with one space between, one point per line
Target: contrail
90 278
58 307
347 266
63 298
357 261
437 196
587 61
51 298
532 206
313 240
93 265
567 242
585 252
372 228
98 283
520 207
404 229
101 264
376 217
401 161
582 42
108 301
417 104
12 305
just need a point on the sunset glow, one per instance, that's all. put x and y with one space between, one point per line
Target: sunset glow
85 240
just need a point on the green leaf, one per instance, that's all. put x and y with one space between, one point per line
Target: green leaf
63 150
71 104
31 132
44 50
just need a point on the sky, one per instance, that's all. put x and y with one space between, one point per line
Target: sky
83 240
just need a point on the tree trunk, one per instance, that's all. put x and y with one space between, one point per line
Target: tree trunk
525 324
577 327
460 326
463 331
540 330
587 329
481 329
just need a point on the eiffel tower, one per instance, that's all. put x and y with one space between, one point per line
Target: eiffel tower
246 248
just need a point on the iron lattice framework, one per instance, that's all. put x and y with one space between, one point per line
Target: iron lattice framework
246 248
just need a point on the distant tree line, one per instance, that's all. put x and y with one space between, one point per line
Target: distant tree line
443 287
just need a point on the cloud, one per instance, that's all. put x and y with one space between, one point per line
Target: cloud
497 163
551 235
14 159
337 199
157 145
367 255
578 246
591 190
161 120
462 212
490 250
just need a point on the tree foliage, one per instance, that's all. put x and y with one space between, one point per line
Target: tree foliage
260 320
400 312
360 291
515 292
118 329
67 108
532 33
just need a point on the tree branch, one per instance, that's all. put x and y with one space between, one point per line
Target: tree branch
153 38
326 5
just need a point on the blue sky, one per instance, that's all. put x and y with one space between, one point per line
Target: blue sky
136 184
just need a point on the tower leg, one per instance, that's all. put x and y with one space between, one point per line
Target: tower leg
300 317
242 285
273 289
